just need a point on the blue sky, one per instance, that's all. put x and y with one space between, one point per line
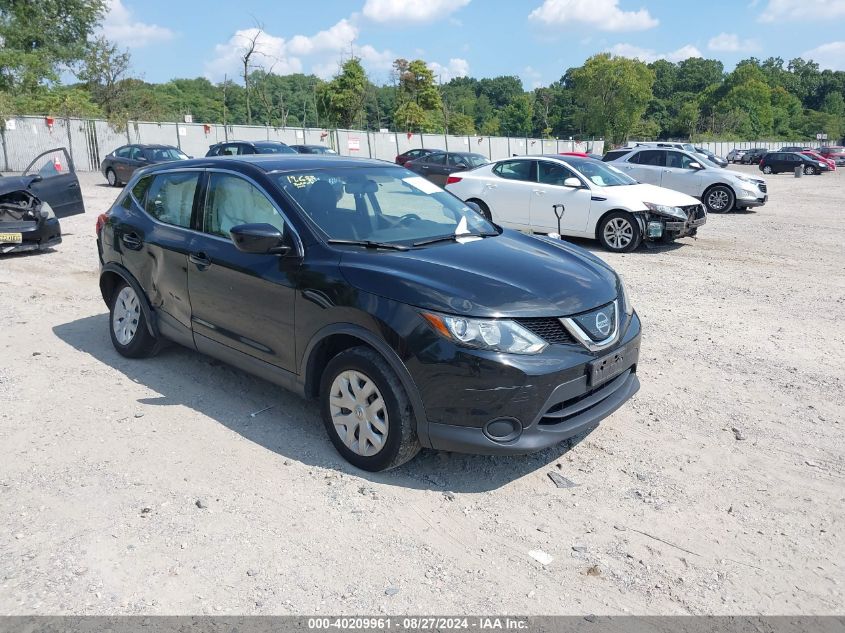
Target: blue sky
534 39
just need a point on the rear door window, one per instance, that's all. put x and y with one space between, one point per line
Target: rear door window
652 158
515 170
170 198
437 159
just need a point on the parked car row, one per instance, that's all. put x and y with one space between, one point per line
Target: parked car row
119 165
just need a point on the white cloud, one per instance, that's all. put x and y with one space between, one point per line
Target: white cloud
119 25
411 11
322 51
788 10
731 43
604 15
648 55
531 77
457 67
828 56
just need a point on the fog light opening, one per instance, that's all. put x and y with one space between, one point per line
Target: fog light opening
655 229
503 429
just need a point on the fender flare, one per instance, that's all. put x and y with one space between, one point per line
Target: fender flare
146 308
389 355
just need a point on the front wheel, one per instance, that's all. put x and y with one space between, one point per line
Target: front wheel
128 325
810 170
719 199
366 411
111 177
767 169
619 232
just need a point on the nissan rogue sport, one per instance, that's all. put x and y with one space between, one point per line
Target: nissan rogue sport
412 319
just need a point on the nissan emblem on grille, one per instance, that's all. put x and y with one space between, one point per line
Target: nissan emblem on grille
603 323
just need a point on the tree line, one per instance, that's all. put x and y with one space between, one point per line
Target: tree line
612 97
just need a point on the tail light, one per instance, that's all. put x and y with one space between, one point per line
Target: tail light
453 179
101 221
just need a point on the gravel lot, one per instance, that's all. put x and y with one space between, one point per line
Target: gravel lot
718 489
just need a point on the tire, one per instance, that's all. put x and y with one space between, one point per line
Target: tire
809 170
767 169
111 177
485 210
619 232
719 199
391 426
128 325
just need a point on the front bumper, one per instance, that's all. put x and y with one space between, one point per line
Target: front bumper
547 398
655 227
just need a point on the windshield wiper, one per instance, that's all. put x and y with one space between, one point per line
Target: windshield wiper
371 244
452 236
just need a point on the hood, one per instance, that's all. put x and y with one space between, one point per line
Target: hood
9 184
511 275
651 193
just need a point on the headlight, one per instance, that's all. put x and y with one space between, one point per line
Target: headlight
662 209
498 335
626 300
47 211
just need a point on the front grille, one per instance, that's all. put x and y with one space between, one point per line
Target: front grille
549 329
694 212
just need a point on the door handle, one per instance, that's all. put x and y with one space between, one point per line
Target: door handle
539 192
200 260
492 186
131 241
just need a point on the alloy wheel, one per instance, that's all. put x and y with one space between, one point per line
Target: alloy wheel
809 170
111 178
125 315
718 199
767 170
618 233
359 413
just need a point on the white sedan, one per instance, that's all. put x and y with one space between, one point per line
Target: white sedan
594 199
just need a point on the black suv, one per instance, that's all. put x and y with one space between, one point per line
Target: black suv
413 320
243 148
777 162
753 156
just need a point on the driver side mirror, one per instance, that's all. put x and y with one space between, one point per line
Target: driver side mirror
260 239
572 182
461 166
695 166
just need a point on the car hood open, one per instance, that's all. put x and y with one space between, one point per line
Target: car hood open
511 275
8 184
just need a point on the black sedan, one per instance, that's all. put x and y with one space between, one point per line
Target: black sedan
119 166
411 319
437 167
31 204
753 156
245 148
413 154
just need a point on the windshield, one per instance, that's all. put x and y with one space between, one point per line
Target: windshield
380 204
160 154
475 160
273 148
601 174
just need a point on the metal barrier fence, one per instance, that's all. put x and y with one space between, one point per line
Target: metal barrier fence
89 140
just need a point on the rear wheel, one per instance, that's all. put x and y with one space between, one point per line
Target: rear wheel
719 199
767 169
366 411
128 325
619 232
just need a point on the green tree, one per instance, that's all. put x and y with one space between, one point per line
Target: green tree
341 101
103 68
613 93
39 37
461 124
517 117
418 102
754 98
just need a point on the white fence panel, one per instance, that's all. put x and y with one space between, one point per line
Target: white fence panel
353 143
499 147
384 145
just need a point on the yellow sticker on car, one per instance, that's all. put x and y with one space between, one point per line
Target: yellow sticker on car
11 238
